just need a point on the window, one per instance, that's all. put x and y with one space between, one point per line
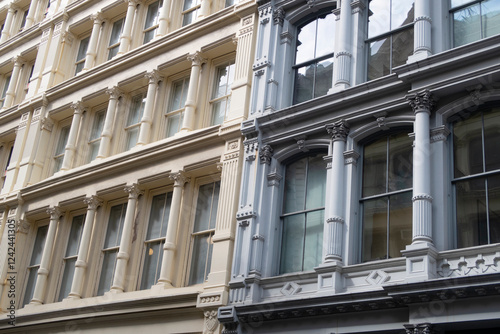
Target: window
303 214
114 40
203 231
474 20
134 120
34 264
155 239
9 148
476 178
82 53
387 197
111 247
71 255
95 134
229 3
221 95
23 20
152 20
314 58
190 11
390 35
6 84
175 111
61 146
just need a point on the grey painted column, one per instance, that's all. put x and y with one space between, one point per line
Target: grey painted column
107 130
342 68
126 36
69 151
43 271
190 106
147 117
94 38
334 209
81 261
422 31
422 104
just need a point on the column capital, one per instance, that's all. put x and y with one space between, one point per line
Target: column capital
18 60
422 101
338 130
114 92
92 202
132 2
13 6
179 178
54 212
133 191
196 58
153 76
77 107
97 17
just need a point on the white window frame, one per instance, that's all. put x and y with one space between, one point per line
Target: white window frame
155 25
97 139
65 124
129 127
228 61
81 61
174 112
7 151
116 45
192 10
5 87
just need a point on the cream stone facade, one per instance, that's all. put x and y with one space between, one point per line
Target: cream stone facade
121 151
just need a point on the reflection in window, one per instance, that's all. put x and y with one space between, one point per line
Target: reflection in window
114 40
95 134
82 52
476 179
474 20
314 58
151 23
190 11
303 214
34 265
60 149
134 120
175 111
387 197
221 94
390 35
71 255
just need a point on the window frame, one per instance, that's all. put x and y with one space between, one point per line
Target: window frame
81 62
227 61
97 140
115 46
155 25
6 78
127 128
194 9
64 124
7 150
183 76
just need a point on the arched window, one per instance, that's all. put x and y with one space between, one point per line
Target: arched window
476 178
303 214
314 58
387 197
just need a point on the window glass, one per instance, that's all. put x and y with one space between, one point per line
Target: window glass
221 94
4 90
114 40
36 258
71 254
474 20
190 11
60 149
134 120
95 134
175 113
82 52
229 3
152 20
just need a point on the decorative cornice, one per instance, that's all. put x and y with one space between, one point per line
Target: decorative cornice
351 157
439 134
425 328
266 154
422 101
274 179
338 130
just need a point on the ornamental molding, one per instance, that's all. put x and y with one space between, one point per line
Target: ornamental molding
423 18
311 3
421 102
179 178
114 93
286 38
335 219
133 191
246 214
92 202
77 107
260 66
258 237
211 321
279 16
54 212
343 54
425 328
290 289
422 197
460 266
351 157
266 154
338 130
440 134
24 120
196 58
153 77
274 179
357 6
328 159
23 226
381 123
377 277
97 18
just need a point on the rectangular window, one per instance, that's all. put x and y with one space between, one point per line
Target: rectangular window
151 23
221 94
111 247
229 3
9 148
23 20
95 134
60 149
34 264
175 110
82 53
474 20
203 231
134 120
69 260
6 84
155 239
190 11
114 40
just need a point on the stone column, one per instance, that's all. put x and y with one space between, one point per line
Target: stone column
69 151
334 228
422 31
191 99
14 78
170 245
126 36
81 261
163 19
107 130
147 117
94 38
30 18
43 271
126 239
7 27
204 9
342 68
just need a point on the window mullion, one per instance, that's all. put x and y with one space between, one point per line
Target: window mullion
305 214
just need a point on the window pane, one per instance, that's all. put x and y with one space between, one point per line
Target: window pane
36 255
132 136
324 77
113 52
491 139
206 206
400 223
466 25
491 18
189 17
375 229
304 83
6 86
200 261
63 139
79 67
295 186
316 185
224 80
93 150
152 15
325 37
115 32
174 124
375 168
229 3
380 21
115 224
74 235
402 47
402 13
400 162
136 109
98 124
456 3
152 264
189 4
82 50
313 244
472 227
292 243
158 219
177 96
379 59
107 272
494 208
30 286
306 41
67 279
149 35
467 146
218 112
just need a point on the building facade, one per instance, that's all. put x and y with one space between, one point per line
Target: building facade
370 197
121 152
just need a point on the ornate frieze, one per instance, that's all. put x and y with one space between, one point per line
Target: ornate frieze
425 328
469 265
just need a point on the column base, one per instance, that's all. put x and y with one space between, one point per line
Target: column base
330 279
420 262
419 55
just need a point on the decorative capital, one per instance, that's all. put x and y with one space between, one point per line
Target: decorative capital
265 154
54 212
338 130
114 92
273 179
133 191
92 202
46 124
22 226
153 77
179 178
18 61
279 16
97 17
422 101
425 328
77 107
196 58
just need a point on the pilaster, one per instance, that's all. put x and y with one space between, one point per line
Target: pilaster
342 69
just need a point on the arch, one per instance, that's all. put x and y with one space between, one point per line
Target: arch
381 124
298 14
289 151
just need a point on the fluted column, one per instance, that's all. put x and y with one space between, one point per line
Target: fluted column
147 117
163 19
334 228
422 31
93 203
170 245
126 239
422 104
43 270
107 130
126 36
204 9
94 38
342 68
7 27
190 106
14 78
30 18
69 151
